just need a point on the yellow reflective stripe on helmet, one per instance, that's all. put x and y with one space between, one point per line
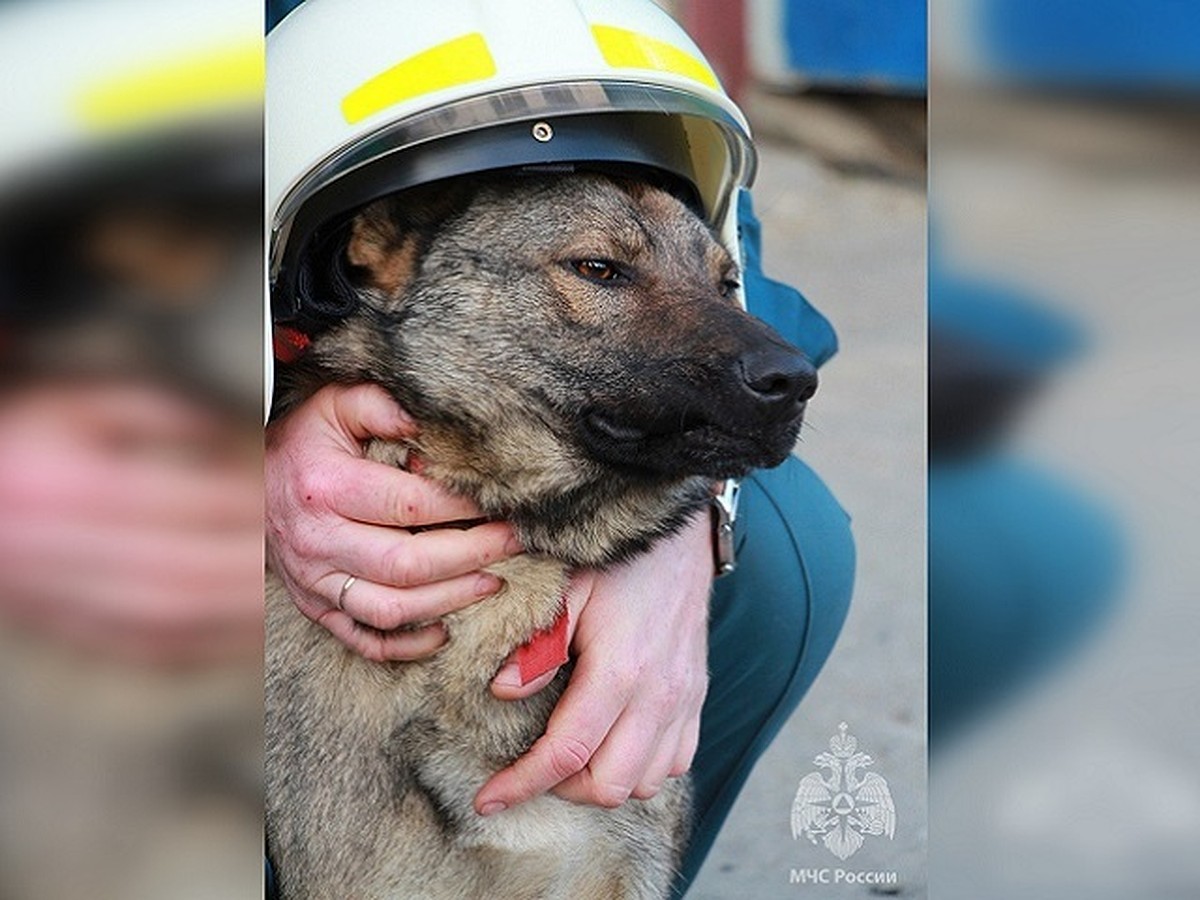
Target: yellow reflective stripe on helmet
624 49
209 81
458 61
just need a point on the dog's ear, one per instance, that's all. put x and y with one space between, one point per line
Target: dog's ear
388 237
381 249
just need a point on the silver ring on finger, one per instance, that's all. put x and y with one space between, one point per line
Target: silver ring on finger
341 597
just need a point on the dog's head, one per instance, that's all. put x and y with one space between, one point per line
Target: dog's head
566 328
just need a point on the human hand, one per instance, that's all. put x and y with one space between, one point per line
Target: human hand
630 716
130 522
332 514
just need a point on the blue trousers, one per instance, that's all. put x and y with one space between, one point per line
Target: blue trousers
773 623
1022 568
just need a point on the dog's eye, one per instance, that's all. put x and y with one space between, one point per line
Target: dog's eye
597 269
727 287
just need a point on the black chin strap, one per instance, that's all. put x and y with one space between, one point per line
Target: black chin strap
325 289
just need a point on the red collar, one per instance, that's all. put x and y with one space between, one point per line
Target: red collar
547 649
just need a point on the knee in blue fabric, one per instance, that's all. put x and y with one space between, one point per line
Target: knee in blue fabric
780 305
774 622
1022 567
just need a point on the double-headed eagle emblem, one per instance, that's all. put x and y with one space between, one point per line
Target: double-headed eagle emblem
839 810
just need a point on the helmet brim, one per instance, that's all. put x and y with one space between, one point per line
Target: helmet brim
566 126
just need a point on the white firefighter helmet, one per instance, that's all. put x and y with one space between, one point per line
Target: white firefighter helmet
119 101
100 75
369 97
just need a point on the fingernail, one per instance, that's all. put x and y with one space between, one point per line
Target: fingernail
514 546
509 676
490 809
487 584
437 635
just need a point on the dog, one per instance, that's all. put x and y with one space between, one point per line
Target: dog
572 347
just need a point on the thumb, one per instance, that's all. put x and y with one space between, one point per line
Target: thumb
508 684
365 411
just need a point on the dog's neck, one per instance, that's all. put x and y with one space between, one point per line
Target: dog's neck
598 518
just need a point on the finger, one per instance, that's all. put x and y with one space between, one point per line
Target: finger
365 411
64 477
387 608
618 765
235 633
661 763
374 492
507 684
381 646
390 557
147 646
685 752
584 715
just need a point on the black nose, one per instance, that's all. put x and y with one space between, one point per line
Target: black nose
779 376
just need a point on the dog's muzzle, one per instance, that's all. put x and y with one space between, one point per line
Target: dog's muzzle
745 413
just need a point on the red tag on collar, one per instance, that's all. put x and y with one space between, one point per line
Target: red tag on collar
289 343
546 650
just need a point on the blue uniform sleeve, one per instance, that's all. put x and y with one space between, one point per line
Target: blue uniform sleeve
779 305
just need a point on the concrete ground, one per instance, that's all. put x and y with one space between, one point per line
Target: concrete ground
1086 784
844 221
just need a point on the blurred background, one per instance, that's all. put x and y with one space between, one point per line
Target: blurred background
1064 182
130 449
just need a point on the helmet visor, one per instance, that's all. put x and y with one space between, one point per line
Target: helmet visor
602 123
